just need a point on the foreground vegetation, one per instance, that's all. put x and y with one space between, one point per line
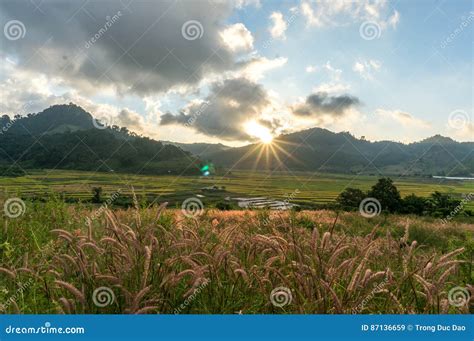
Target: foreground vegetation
56 257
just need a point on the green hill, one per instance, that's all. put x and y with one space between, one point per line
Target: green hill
64 137
319 149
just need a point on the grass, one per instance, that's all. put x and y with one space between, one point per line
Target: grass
56 258
313 188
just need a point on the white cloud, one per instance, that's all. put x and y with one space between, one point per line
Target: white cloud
334 73
324 13
244 3
332 88
311 69
279 25
404 118
255 69
394 19
237 37
334 84
367 68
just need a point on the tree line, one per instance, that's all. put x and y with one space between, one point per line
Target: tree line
437 204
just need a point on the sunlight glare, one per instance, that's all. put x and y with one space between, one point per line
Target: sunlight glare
259 131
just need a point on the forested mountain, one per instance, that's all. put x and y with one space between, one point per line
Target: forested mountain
322 150
200 149
64 137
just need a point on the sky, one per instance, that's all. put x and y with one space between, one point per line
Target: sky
237 72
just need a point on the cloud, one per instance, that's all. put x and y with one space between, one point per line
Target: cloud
334 83
25 92
225 111
311 69
367 68
257 66
244 3
332 87
404 118
321 104
237 37
140 49
323 13
130 119
279 25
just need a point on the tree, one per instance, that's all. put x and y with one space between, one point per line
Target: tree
442 204
413 204
388 195
97 192
351 197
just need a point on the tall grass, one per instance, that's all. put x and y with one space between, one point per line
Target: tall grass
154 260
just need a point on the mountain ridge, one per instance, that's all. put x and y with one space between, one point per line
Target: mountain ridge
68 137
312 149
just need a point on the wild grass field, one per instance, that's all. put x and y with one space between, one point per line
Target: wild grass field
312 188
60 258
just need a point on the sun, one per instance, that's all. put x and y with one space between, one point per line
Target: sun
255 129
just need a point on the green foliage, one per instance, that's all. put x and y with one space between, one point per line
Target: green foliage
64 137
443 205
97 192
223 206
388 195
413 204
11 171
438 205
351 197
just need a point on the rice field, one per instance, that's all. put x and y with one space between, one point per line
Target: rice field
305 188
65 257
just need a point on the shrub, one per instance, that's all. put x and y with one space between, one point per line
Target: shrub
351 197
413 204
388 195
97 192
223 206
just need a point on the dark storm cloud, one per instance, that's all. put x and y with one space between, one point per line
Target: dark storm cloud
225 110
138 49
321 103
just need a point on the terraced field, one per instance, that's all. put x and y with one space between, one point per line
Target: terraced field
309 188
